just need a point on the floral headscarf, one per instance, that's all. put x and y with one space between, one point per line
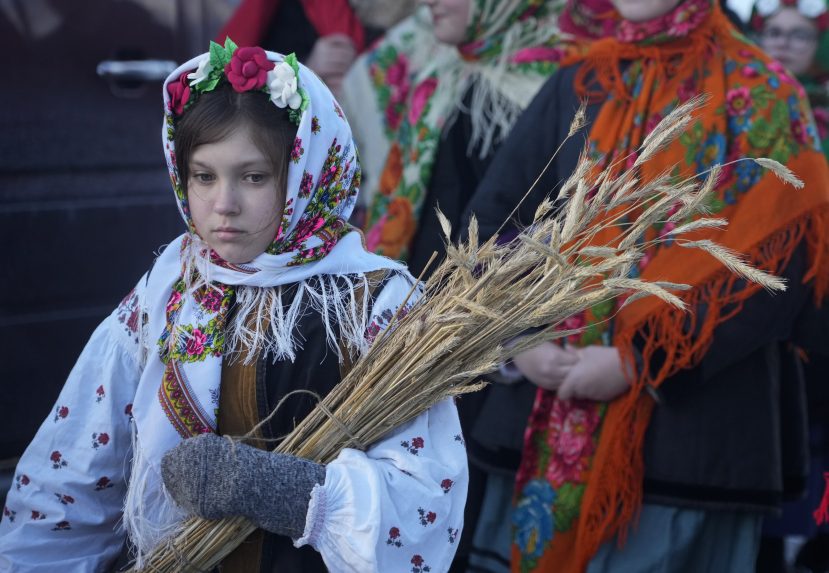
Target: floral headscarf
189 290
512 47
580 480
816 81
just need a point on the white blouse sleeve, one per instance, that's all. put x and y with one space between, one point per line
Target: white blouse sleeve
62 511
399 505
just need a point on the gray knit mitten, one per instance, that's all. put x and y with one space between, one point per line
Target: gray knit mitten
214 478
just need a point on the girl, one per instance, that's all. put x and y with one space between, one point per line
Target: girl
266 292
684 412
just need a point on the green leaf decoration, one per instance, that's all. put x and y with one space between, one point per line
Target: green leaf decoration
230 47
217 54
567 504
291 60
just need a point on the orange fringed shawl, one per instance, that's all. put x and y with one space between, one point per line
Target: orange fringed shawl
580 481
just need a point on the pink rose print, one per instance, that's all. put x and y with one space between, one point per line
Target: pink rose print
739 100
248 69
446 485
175 300
195 344
570 438
306 185
179 92
414 446
101 394
22 481
420 98
61 412
62 526
9 513
453 534
315 125
103 483
36 515
426 517
57 460
394 537
65 499
297 150
99 440
338 110
419 565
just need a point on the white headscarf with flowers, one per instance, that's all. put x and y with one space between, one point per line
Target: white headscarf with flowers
190 288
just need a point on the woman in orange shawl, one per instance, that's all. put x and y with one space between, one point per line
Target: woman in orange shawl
699 425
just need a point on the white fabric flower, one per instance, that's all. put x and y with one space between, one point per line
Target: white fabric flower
283 86
811 8
767 7
201 73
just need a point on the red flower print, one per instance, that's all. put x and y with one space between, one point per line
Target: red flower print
65 499
9 513
414 446
195 343
426 517
22 480
57 460
570 438
799 131
61 412
394 537
248 69
99 440
419 565
179 91
128 410
61 526
36 515
446 485
297 150
103 483
101 393
315 125
453 534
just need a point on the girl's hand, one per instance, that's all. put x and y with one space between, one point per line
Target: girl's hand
598 375
546 365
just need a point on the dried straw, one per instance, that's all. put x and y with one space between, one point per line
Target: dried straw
479 297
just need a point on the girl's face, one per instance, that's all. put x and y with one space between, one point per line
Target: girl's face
450 19
643 10
234 200
790 38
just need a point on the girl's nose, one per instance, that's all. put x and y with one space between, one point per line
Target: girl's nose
227 200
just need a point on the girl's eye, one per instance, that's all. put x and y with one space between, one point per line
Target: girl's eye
256 177
203 177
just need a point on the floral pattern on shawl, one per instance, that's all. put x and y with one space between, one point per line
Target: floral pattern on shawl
761 112
418 104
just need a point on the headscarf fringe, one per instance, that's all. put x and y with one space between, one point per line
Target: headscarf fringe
614 492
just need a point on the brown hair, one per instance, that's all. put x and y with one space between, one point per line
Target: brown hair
217 113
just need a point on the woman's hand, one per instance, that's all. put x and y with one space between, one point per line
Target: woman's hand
597 375
546 365
331 57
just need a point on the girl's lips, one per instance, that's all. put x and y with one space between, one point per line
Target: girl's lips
227 234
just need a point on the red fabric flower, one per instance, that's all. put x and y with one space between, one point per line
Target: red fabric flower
179 92
248 69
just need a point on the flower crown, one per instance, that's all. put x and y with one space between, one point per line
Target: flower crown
812 9
245 69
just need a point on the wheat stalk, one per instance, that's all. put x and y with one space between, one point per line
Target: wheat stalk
477 299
